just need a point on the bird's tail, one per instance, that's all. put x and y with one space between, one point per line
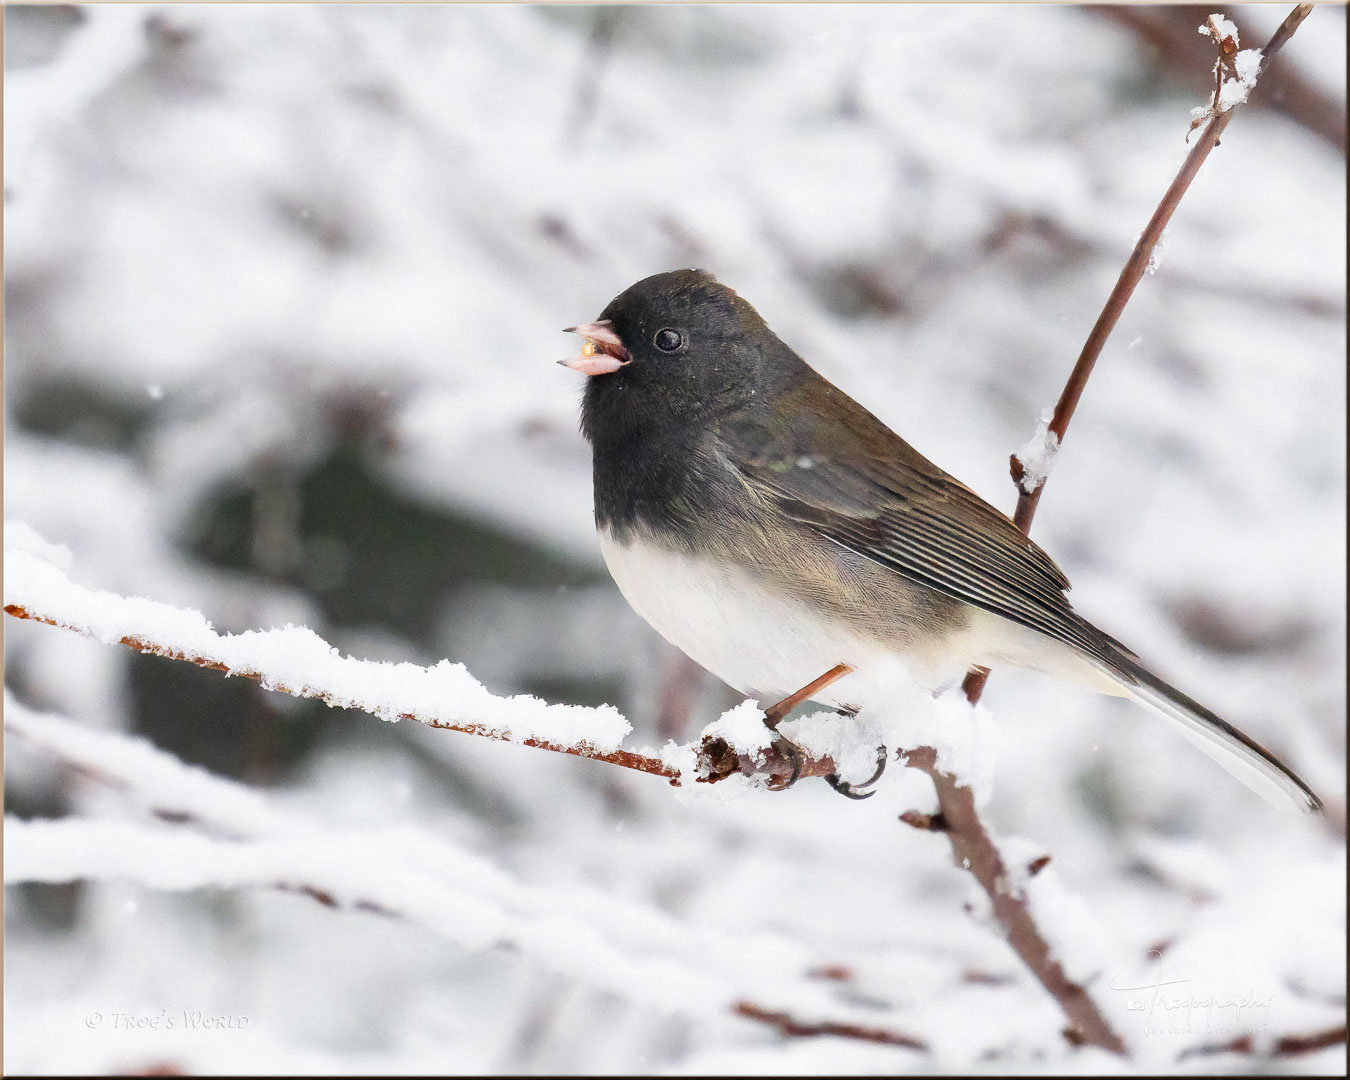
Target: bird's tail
1242 756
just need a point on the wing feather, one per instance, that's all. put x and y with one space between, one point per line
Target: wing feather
835 468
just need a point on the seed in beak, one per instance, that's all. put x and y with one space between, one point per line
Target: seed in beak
588 349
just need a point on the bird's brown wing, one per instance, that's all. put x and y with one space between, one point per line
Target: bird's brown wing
834 467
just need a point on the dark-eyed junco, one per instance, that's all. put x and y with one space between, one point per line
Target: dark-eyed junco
772 528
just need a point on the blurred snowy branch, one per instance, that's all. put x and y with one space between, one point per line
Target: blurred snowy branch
791 1025
1281 1046
226 835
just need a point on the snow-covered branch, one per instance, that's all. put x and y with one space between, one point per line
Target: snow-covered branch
294 660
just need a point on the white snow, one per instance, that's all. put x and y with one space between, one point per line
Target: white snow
1158 253
1234 91
1220 28
1037 455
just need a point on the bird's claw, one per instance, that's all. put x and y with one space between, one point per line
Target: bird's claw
785 747
855 791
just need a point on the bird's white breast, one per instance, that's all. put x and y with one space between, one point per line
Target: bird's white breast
763 644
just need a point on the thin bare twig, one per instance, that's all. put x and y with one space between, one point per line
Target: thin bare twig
787 1024
1284 1046
1027 501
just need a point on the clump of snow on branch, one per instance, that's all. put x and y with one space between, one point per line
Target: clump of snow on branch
1240 68
1246 69
1037 455
1219 27
743 729
1158 253
295 660
850 741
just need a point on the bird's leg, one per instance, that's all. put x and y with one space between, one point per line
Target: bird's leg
784 746
774 713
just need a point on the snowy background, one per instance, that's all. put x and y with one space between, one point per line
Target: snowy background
283 291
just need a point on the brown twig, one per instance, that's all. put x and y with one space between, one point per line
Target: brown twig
787 1024
1027 501
775 713
1294 1045
1284 1046
972 846
974 850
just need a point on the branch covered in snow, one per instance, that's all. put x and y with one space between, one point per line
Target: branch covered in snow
294 660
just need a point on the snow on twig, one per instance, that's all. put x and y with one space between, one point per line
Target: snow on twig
1032 463
294 660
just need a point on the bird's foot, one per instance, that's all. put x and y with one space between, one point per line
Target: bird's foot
857 791
786 748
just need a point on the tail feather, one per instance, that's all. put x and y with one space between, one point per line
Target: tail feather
1242 756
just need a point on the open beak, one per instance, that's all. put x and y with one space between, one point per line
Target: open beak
602 351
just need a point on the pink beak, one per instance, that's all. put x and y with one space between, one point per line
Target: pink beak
603 352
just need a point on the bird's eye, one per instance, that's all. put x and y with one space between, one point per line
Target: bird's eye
668 340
